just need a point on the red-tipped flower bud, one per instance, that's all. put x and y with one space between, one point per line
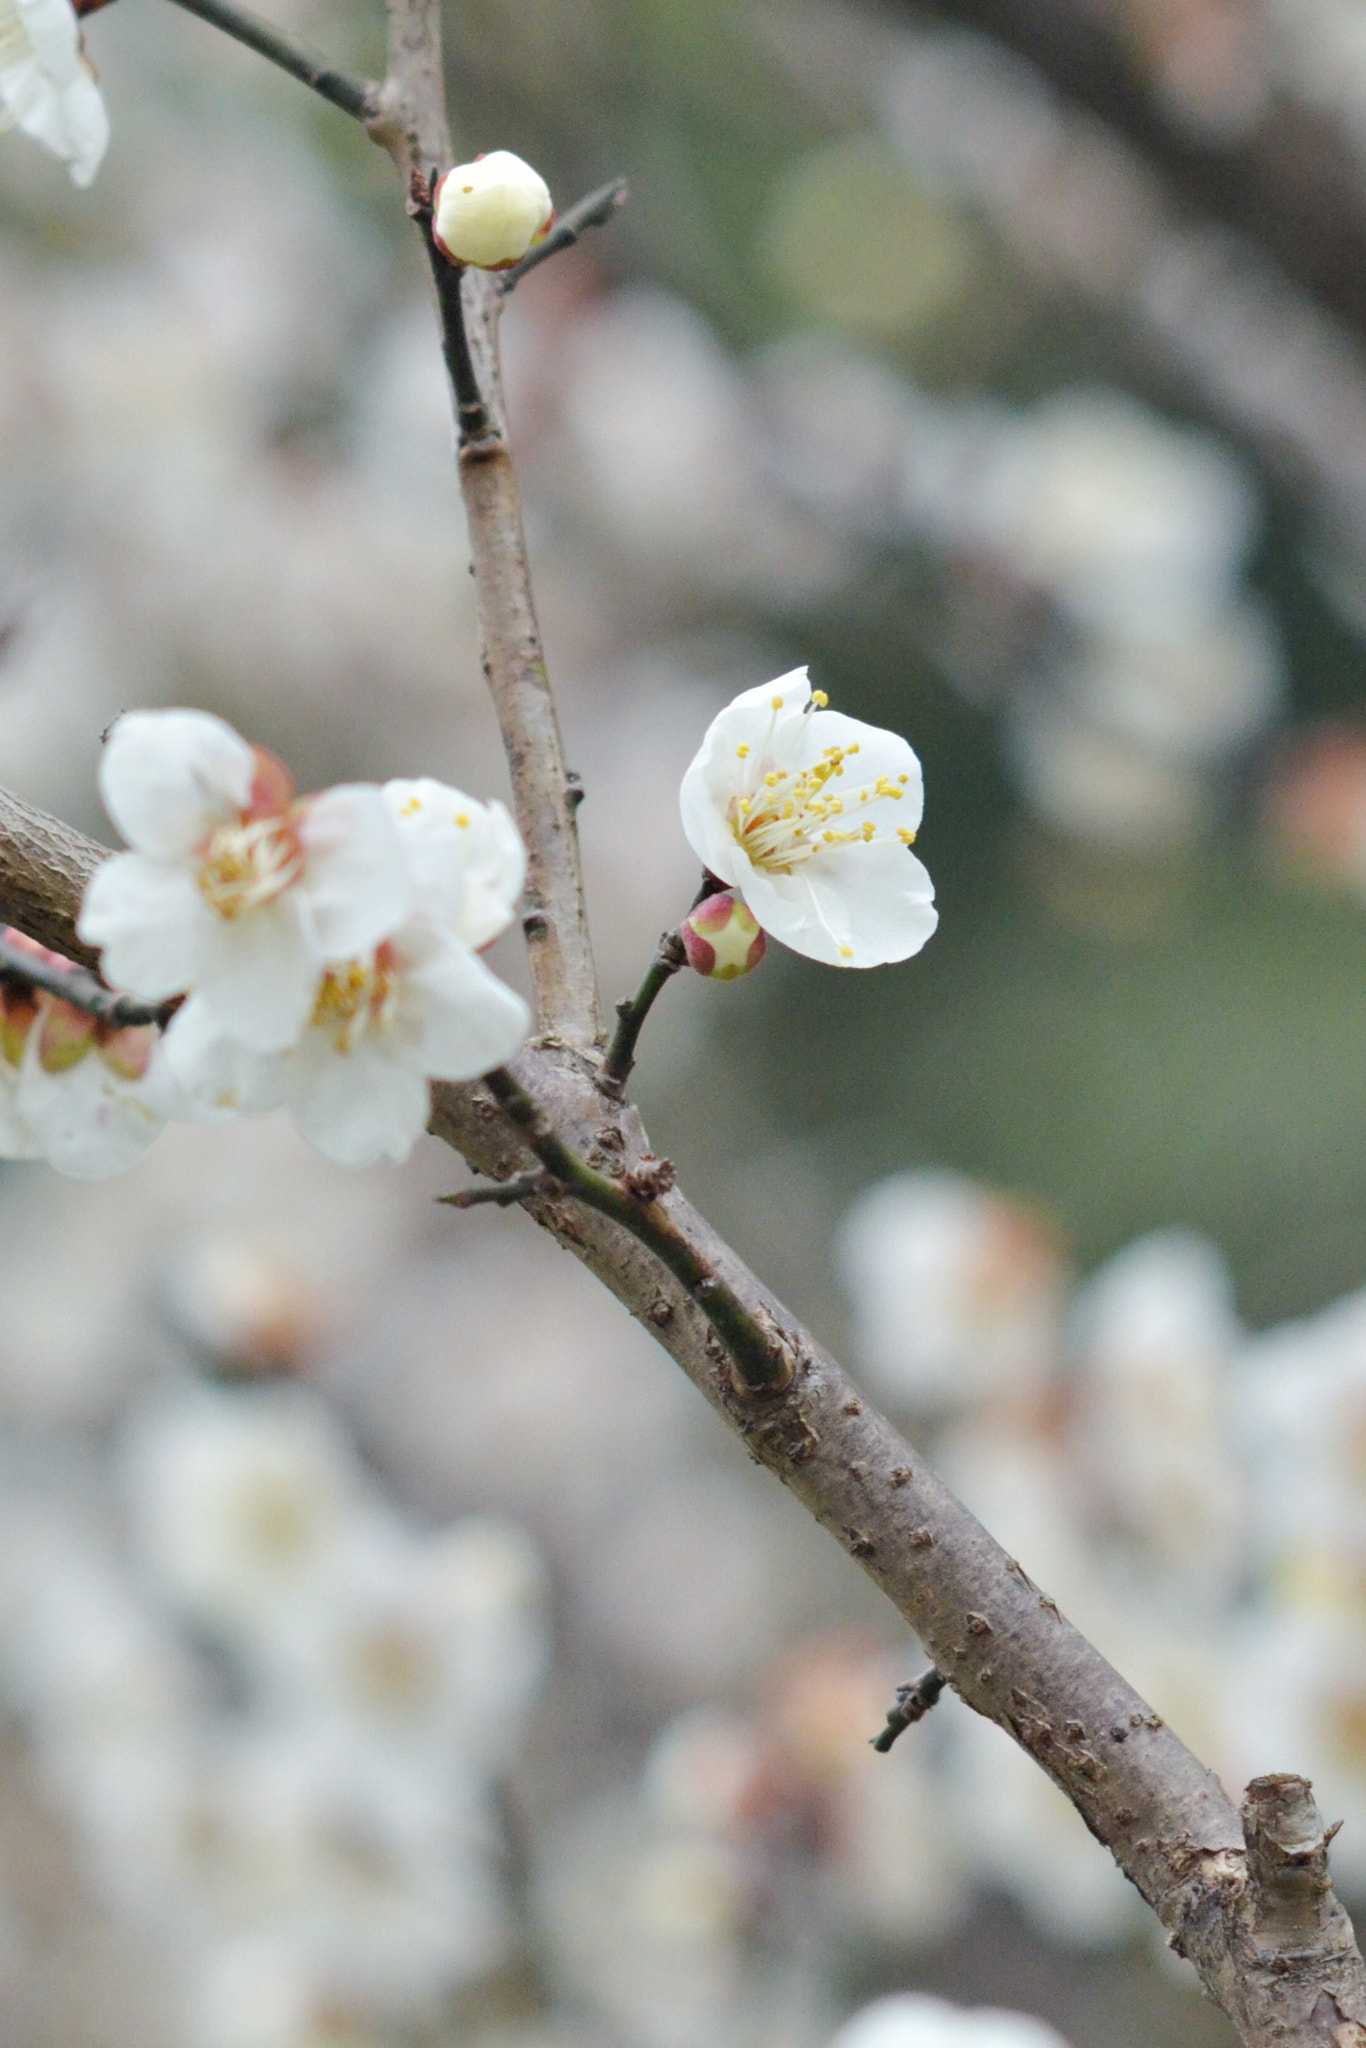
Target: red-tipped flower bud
491 211
722 938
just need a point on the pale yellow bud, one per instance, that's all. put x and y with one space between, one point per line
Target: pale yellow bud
490 212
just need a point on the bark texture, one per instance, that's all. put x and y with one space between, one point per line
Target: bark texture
1254 1912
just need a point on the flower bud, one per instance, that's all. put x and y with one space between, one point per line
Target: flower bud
65 1035
722 938
490 212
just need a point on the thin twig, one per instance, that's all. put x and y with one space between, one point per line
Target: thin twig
472 416
632 1011
593 211
79 987
504 1193
761 1355
358 97
913 1702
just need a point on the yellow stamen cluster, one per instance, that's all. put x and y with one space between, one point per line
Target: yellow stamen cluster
787 817
249 864
355 997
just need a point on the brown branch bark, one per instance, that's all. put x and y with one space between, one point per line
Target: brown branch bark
1255 1912
411 118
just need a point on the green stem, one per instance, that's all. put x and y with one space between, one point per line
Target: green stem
761 1360
631 1014
358 97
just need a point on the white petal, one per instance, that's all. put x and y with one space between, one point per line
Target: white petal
17 1141
217 1075
357 1106
857 906
146 915
88 1121
458 1018
467 858
169 778
495 871
258 975
881 754
356 886
770 716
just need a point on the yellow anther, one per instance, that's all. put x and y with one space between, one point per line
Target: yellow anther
854 749
413 804
869 829
846 952
462 818
744 803
903 778
743 753
819 699
770 780
906 838
777 703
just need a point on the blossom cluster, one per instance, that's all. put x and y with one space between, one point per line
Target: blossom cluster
325 951
275 1717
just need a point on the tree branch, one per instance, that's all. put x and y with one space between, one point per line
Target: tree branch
358 97
544 797
633 1010
1285 1979
80 987
913 1702
410 119
594 211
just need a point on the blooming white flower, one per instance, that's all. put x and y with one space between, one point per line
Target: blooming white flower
235 888
956 1292
47 88
241 1502
86 1098
467 859
420 1007
429 1648
491 211
810 816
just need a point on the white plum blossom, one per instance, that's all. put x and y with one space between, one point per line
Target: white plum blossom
810 816
419 1007
491 211
85 1097
467 860
241 1503
235 888
47 88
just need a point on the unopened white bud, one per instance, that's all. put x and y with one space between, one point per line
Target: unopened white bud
490 212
